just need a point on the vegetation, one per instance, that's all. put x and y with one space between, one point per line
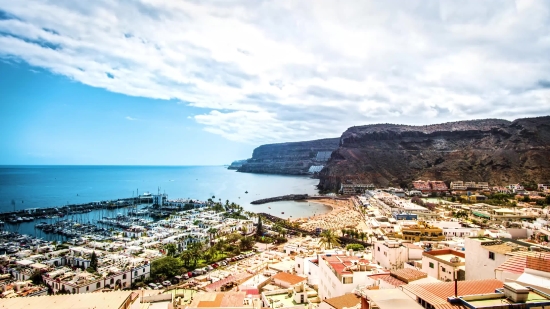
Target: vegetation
166 267
355 247
93 263
170 249
328 239
260 228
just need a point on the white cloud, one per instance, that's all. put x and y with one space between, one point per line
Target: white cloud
130 118
269 71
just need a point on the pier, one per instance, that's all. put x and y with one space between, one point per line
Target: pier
39 213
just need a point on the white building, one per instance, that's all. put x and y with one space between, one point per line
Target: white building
340 274
393 255
488 254
444 265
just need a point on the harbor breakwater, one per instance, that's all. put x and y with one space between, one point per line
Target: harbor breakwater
289 197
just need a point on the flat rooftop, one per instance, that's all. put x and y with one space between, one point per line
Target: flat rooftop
113 299
533 297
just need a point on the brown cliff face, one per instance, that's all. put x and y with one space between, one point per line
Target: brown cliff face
497 151
289 158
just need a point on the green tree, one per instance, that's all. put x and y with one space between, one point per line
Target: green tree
246 243
328 239
166 267
170 249
185 256
212 233
93 263
526 199
355 247
259 229
36 277
196 249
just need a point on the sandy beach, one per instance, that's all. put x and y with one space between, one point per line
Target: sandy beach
342 215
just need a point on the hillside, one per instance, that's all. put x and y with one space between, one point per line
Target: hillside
492 150
290 158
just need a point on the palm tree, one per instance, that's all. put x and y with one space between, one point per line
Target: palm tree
328 239
186 257
212 232
196 250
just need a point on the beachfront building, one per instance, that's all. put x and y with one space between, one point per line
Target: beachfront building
353 189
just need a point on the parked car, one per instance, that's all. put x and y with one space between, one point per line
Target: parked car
166 283
190 275
152 286
209 268
185 276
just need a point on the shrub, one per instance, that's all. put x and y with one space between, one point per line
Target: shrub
355 247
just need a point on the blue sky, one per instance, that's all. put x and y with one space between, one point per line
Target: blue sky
205 82
50 119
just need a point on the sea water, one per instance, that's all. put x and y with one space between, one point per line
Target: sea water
24 187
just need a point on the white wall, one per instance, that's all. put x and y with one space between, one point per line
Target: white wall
478 264
389 258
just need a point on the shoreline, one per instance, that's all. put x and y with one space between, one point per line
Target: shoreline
342 215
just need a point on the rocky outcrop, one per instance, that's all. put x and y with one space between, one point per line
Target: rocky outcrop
492 150
290 158
235 165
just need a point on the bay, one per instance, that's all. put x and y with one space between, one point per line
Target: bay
54 186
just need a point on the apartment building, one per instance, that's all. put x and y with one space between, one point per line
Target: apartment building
393 255
340 274
445 265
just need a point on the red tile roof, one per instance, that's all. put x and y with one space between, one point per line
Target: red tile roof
541 263
389 279
515 265
436 293
408 275
526 259
290 278
344 301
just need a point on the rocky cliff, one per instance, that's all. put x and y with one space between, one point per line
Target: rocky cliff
493 150
290 158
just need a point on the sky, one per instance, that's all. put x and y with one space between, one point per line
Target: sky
191 82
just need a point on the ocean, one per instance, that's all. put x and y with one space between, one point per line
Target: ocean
24 187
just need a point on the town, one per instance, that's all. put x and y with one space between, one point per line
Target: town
432 245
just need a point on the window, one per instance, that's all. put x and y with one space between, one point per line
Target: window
144 270
378 248
443 269
492 255
347 280
135 273
98 285
431 265
124 276
112 280
87 288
